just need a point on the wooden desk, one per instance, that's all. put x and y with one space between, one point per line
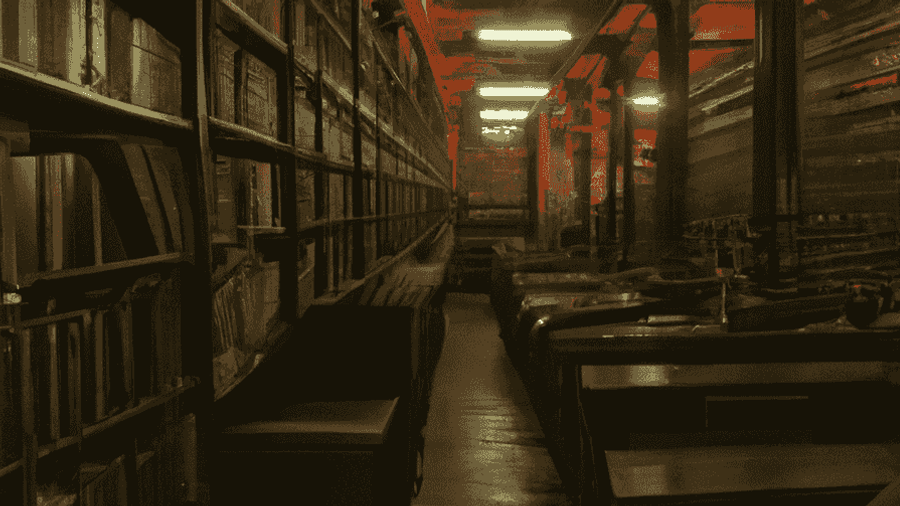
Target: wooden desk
722 473
735 469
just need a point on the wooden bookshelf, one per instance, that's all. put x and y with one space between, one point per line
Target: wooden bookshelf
128 343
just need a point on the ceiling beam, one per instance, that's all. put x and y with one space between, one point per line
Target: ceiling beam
720 44
578 51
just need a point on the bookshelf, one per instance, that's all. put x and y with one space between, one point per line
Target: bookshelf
180 181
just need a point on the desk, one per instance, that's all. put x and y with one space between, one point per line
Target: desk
634 474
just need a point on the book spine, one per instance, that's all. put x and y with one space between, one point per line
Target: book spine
119 53
52 339
97 74
159 333
101 361
125 317
73 369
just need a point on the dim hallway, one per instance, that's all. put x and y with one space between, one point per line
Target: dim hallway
483 443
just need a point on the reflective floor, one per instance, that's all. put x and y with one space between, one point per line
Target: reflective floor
483 443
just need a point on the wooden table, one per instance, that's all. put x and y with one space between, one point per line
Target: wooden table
725 473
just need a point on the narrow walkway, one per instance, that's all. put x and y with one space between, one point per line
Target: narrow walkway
483 442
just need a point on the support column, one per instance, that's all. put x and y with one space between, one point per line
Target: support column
358 262
287 193
614 141
628 207
776 134
582 162
672 21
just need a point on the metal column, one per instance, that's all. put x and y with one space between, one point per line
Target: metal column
672 21
359 244
776 132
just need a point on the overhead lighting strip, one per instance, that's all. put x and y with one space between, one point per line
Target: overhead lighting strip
525 35
525 91
504 114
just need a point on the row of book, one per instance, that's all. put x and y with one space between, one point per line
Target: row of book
246 194
269 14
126 59
245 310
403 287
106 484
246 91
102 362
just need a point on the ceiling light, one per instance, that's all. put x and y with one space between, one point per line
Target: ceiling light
525 91
504 114
525 35
645 101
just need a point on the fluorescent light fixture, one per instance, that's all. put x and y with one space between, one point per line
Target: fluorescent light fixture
525 35
504 114
645 101
525 91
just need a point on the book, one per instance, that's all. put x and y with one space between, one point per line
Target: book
104 484
307 43
156 70
10 401
62 40
261 99
224 97
52 340
267 13
18 26
119 38
96 68
101 362
144 184
164 162
73 372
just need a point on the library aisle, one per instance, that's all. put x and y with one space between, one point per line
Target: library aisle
483 443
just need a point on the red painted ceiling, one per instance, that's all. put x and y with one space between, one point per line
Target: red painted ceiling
459 63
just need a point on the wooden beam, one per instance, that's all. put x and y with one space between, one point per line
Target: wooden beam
720 44
578 51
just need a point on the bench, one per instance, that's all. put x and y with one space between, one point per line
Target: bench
335 417
823 471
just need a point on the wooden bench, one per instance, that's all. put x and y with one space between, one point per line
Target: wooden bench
821 473
332 419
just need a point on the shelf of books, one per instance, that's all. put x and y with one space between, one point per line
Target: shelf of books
180 181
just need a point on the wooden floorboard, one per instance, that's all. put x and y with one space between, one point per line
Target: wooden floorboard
483 443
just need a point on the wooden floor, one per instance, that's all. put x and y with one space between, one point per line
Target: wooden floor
483 443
